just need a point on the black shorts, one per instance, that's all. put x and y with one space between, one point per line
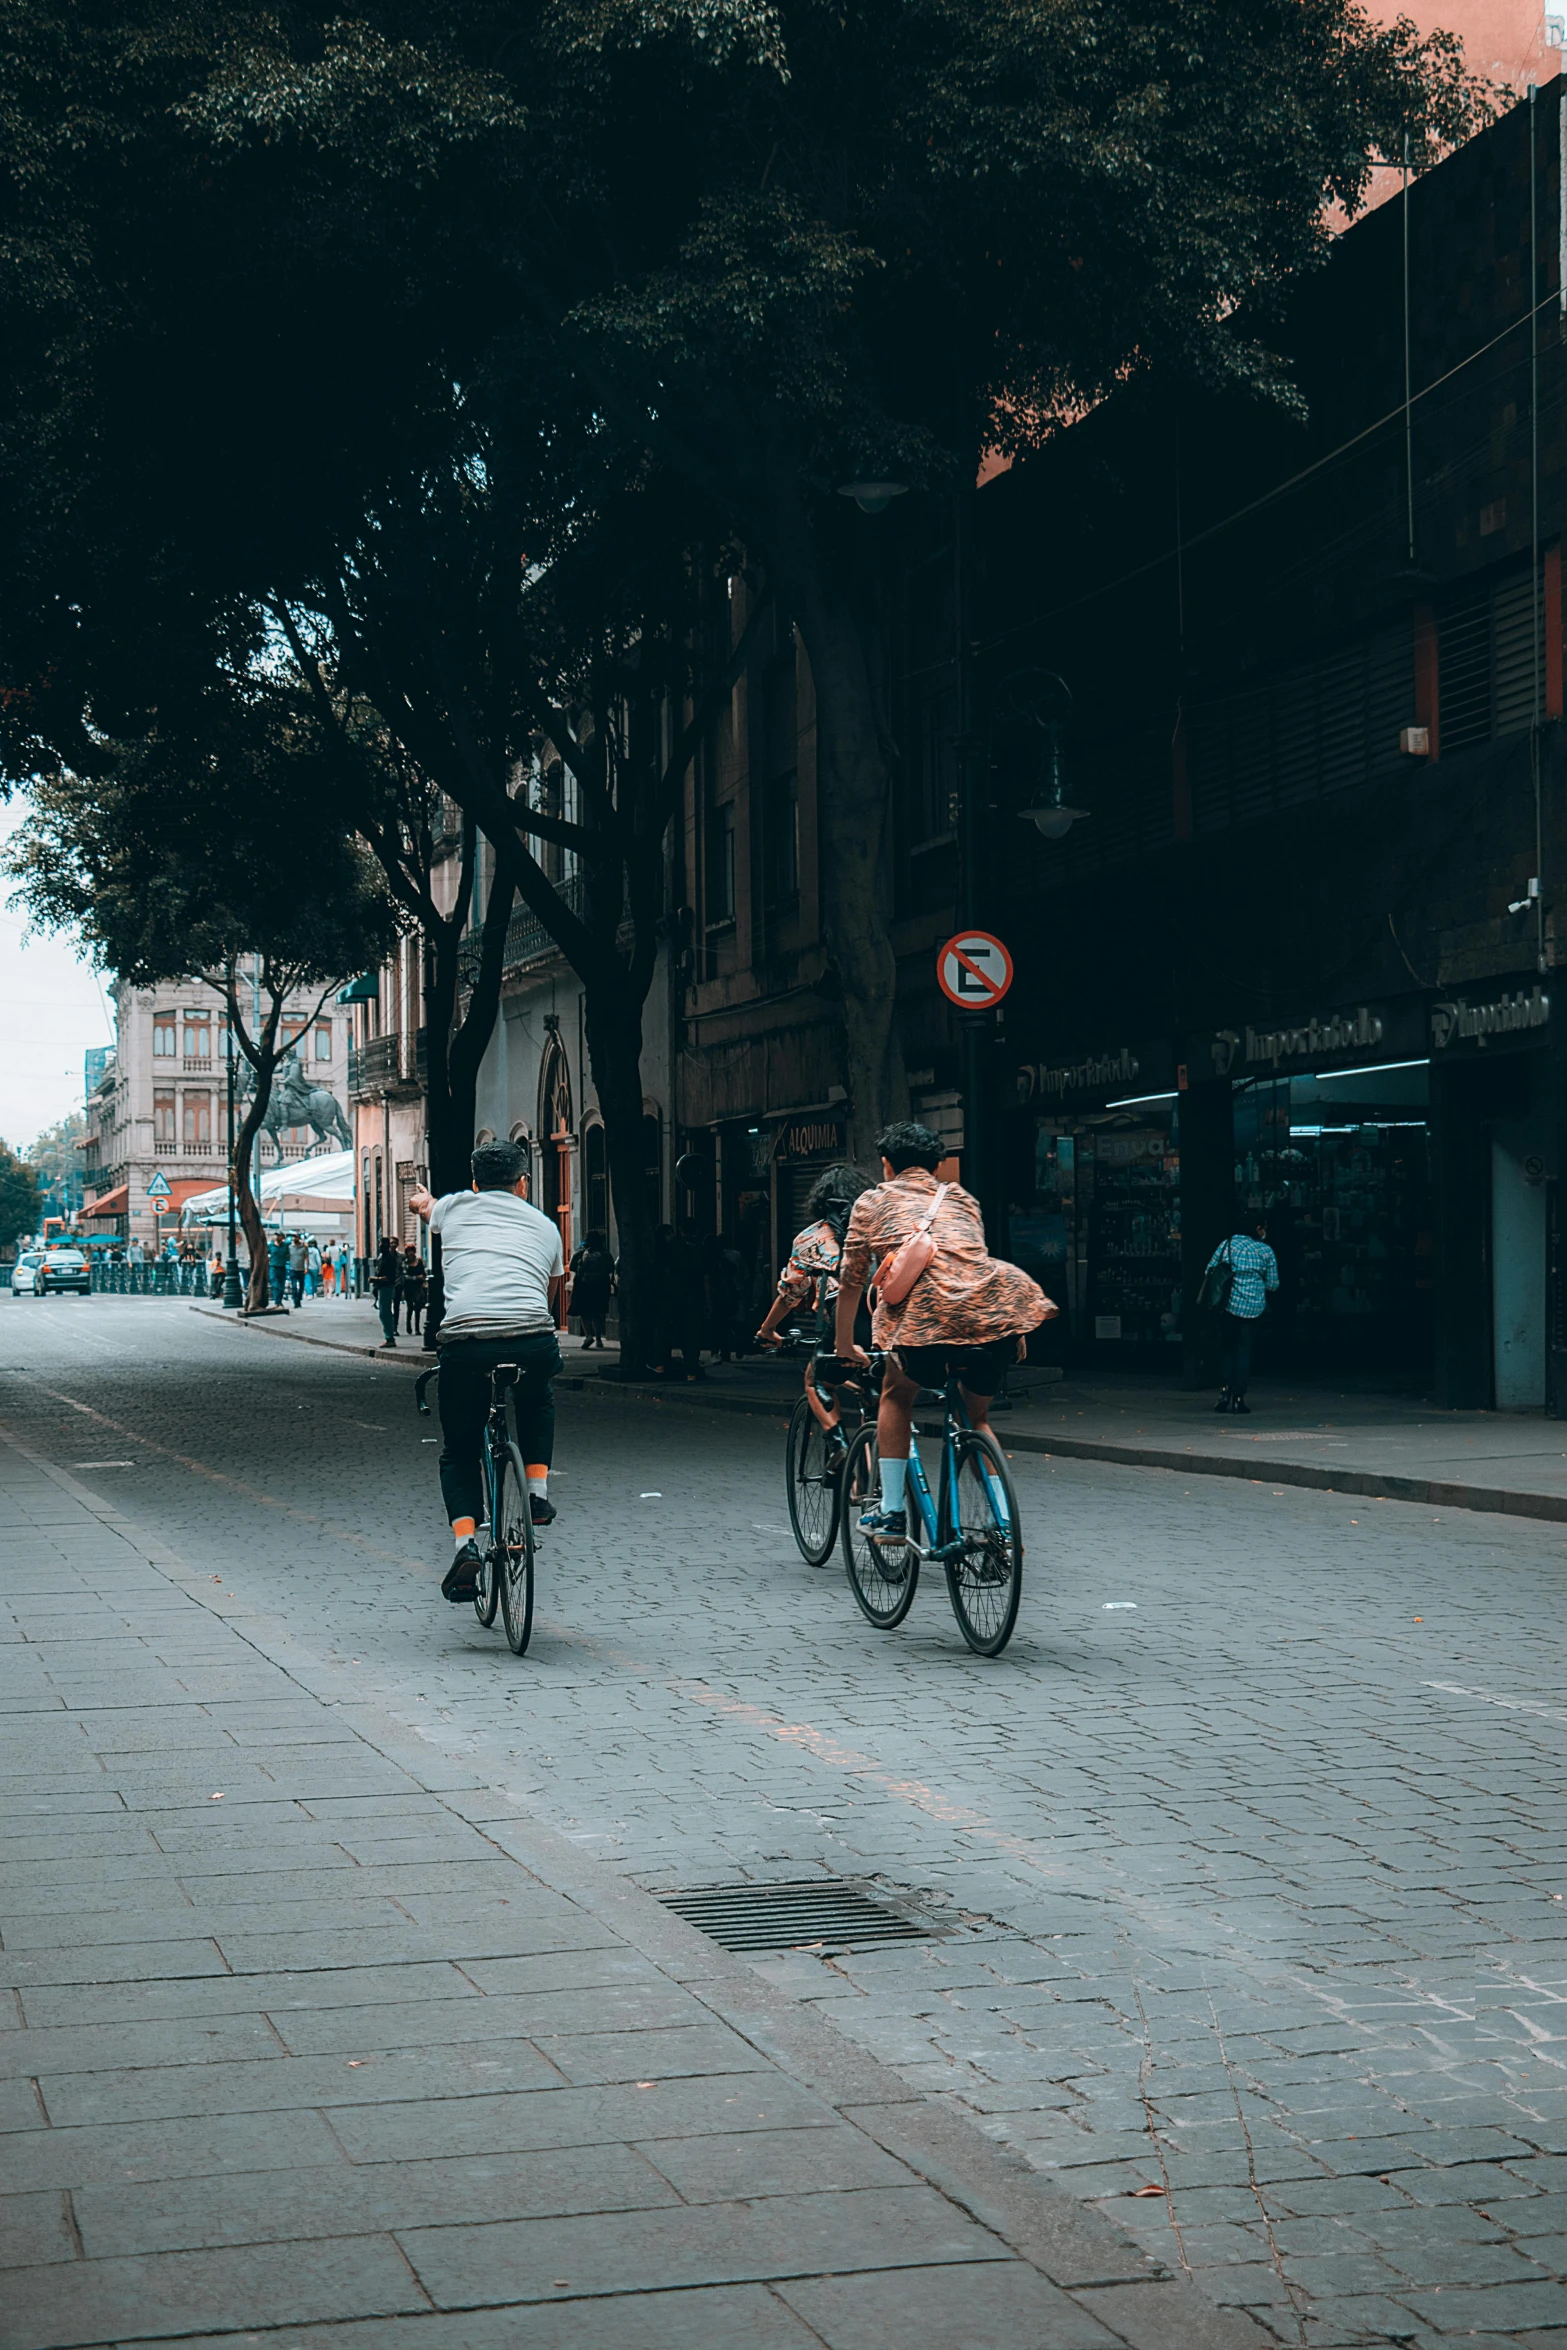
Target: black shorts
980 1368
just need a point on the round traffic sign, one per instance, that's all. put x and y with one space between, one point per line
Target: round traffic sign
974 970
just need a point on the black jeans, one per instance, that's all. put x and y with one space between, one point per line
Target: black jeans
464 1391
1238 1336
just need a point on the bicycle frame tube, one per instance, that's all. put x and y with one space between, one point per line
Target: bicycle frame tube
921 1491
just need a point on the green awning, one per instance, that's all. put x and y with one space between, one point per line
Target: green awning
360 991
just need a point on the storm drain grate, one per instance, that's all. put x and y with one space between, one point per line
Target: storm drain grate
789 1917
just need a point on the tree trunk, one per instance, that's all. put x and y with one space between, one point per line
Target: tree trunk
853 793
449 1103
463 1053
614 1032
245 1201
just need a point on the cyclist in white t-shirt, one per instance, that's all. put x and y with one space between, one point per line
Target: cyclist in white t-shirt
503 1272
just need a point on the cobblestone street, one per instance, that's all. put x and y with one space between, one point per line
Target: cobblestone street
1245 1864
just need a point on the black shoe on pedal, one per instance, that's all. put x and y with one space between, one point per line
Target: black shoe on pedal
461 1579
541 1510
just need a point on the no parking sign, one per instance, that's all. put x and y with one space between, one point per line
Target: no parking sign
974 971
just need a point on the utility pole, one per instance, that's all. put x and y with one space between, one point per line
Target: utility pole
976 1029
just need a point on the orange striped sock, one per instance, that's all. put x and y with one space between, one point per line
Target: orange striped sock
463 1527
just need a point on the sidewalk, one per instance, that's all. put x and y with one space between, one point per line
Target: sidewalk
305 2026
1385 1446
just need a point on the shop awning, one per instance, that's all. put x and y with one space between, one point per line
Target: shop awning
360 991
112 1203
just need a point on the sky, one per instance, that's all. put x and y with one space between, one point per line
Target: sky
52 1007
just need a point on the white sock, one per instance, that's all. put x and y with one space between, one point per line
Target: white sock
539 1485
893 1474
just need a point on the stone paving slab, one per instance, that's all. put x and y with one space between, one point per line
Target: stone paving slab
527 2092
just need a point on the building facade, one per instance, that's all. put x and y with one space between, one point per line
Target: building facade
1304 672
159 1104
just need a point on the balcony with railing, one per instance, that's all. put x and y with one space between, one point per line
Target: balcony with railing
527 940
391 1064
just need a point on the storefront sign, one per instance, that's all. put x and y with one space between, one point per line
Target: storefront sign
1454 1020
1240 1052
808 1138
1107 1074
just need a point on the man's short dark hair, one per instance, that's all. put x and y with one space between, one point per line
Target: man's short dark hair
909 1144
497 1165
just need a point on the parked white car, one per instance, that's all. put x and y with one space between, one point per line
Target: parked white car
40 1270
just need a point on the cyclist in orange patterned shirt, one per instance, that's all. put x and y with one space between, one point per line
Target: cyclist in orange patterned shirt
968 1312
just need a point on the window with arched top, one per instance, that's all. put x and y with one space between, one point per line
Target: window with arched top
555 1138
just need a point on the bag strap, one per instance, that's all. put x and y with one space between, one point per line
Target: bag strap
929 1217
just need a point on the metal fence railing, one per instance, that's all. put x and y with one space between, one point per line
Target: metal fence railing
156 1280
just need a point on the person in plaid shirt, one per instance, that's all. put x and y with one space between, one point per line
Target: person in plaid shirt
1254 1272
967 1312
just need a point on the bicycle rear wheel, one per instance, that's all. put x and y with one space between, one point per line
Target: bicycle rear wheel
882 1576
980 1513
815 1482
513 1552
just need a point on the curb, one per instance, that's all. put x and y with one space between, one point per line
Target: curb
1366 1484
337 1346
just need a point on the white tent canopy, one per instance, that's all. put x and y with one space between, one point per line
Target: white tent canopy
306 1195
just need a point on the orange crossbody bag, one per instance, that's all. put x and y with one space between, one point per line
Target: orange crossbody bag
909 1260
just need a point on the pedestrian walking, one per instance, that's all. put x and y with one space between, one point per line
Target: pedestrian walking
592 1286
215 1272
722 1285
385 1274
277 1266
1239 1276
298 1267
414 1288
313 1268
328 1271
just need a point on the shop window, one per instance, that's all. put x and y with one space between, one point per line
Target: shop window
163 1112
1338 1165
165 1036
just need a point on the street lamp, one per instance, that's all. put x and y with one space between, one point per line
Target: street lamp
1044 702
231 1297
872 497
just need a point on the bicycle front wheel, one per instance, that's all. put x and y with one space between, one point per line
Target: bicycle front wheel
513 1552
882 1575
813 1470
985 1565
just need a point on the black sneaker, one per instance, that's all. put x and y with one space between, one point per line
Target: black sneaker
461 1579
541 1509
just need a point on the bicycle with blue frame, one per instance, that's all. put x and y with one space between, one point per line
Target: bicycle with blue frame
507 1561
971 1528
